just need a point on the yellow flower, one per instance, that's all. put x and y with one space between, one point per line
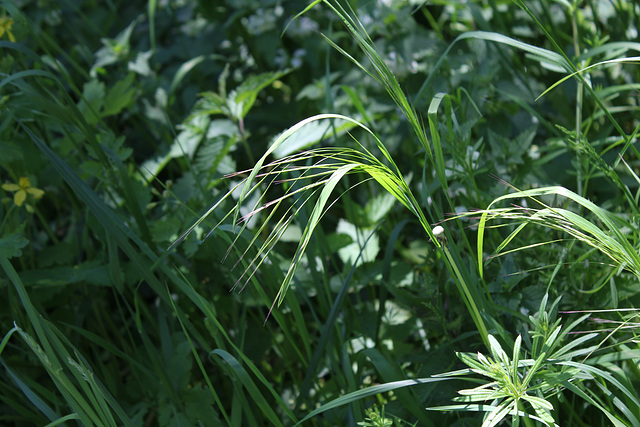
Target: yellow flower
5 27
21 189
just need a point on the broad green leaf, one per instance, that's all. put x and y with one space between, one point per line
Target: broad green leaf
12 244
120 96
349 253
245 95
93 95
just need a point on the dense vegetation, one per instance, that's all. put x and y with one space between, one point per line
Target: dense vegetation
268 212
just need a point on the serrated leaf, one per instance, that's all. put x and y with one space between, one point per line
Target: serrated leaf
113 49
11 245
92 98
199 407
378 207
349 254
245 95
141 64
119 97
211 103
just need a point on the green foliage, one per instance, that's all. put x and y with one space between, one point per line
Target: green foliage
380 185
376 418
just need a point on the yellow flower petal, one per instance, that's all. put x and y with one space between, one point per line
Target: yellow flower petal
24 182
10 186
35 192
19 197
5 27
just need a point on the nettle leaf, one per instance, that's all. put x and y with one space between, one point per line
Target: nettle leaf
416 251
165 230
199 407
317 89
211 103
522 142
109 141
141 64
11 245
179 365
512 150
213 153
113 50
395 314
349 253
192 133
184 188
245 95
378 207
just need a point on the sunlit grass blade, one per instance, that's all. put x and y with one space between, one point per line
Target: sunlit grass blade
584 83
342 162
631 60
316 214
550 59
381 71
609 239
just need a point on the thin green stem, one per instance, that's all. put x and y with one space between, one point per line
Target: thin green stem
466 296
579 100
244 141
527 420
46 227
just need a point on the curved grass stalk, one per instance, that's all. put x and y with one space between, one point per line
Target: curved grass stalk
608 238
328 166
387 174
631 60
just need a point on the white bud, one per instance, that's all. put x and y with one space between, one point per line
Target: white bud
438 233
